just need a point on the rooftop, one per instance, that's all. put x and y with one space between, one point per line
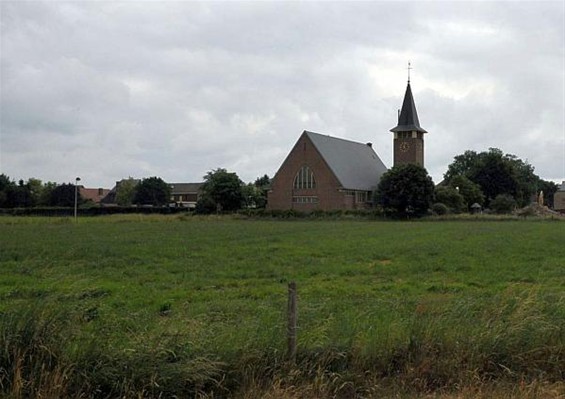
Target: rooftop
185 188
408 119
356 165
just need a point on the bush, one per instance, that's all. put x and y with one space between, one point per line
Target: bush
205 206
451 198
440 209
503 203
91 211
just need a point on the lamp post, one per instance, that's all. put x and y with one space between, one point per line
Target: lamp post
76 196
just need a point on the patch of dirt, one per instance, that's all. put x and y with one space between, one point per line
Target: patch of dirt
538 210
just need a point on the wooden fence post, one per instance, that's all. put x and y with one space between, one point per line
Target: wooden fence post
292 321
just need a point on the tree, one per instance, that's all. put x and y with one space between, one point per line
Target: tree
152 191
406 190
64 195
255 195
496 174
450 197
526 180
46 193
5 182
125 191
205 205
6 185
19 196
221 189
34 193
470 191
35 187
503 203
263 181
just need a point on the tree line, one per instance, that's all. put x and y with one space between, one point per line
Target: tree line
34 192
489 179
222 191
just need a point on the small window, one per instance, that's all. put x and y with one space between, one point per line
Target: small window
304 178
360 196
302 199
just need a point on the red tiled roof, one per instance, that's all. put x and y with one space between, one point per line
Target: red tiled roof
93 194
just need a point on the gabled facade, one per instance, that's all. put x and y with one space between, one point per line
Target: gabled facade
96 195
326 173
110 198
185 194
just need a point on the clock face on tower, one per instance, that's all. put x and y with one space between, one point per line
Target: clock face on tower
404 146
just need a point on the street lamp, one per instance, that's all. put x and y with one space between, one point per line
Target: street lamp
76 196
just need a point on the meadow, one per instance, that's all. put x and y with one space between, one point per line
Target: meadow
184 306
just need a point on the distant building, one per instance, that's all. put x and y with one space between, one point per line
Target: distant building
559 198
185 194
408 140
110 198
95 195
324 172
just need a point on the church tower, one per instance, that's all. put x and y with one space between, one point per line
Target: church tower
408 135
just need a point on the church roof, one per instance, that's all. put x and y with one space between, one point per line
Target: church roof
356 165
408 119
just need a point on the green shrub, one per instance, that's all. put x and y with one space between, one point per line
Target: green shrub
503 203
451 198
440 209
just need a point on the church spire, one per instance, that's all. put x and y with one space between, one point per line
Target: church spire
408 143
408 118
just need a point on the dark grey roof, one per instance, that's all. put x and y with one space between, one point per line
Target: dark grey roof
408 119
356 165
185 188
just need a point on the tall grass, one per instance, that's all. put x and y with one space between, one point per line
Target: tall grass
32 359
516 338
196 308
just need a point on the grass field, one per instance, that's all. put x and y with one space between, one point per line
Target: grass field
143 306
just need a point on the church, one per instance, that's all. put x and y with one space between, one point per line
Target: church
322 172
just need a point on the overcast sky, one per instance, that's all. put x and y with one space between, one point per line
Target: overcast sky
106 90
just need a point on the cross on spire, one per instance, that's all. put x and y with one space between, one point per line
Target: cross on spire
409 68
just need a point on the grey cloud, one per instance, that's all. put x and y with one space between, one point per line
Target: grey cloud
109 90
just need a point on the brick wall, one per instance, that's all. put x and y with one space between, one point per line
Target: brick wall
409 150
328 189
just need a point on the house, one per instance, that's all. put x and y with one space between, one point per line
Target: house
324 172
327 173
559 199
95 195
111 198
185 194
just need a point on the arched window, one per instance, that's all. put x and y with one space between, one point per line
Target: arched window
304 178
